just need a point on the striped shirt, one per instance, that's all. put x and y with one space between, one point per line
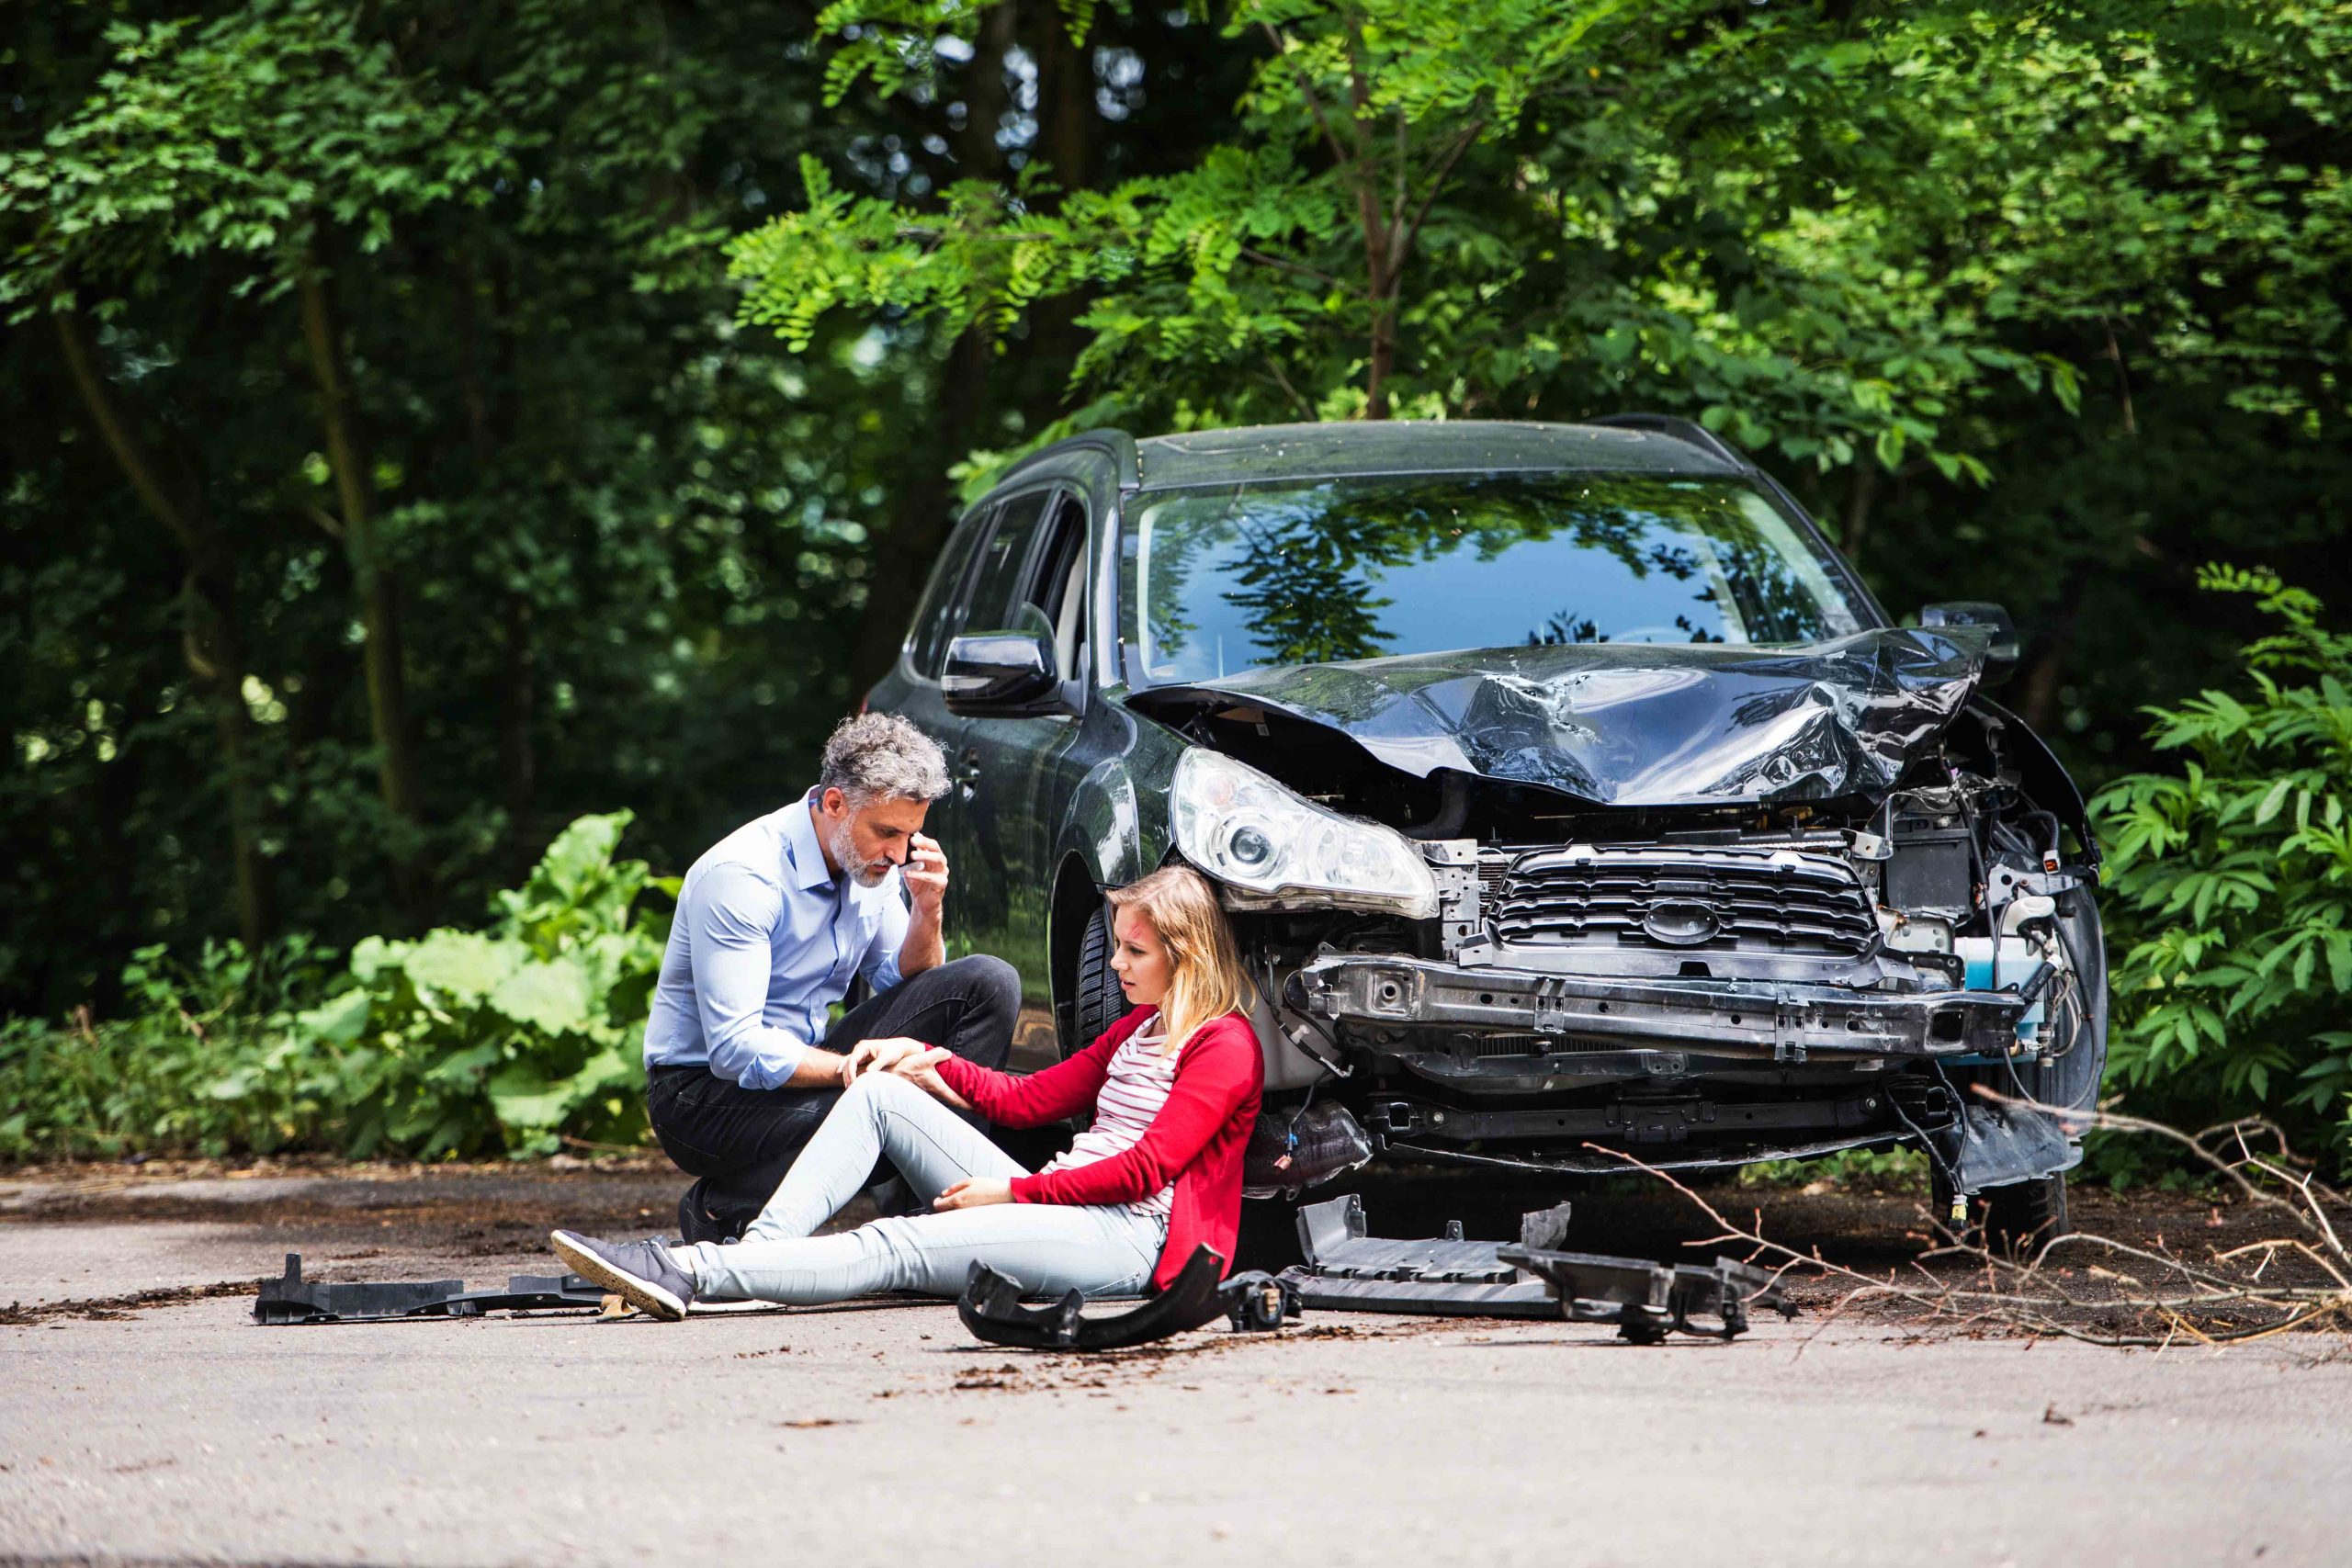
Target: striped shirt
1135 1087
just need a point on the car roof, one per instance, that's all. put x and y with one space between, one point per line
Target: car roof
1255 454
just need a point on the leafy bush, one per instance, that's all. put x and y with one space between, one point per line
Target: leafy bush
2233 885
457 1043
205 1063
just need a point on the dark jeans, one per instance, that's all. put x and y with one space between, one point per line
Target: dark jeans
740 1141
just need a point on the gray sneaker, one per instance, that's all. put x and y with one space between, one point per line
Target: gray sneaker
640 1271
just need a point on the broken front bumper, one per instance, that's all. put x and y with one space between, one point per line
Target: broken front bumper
1578 1016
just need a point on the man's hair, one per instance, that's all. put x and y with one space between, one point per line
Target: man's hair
879 754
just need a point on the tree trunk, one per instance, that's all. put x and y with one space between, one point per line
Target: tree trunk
2045 676
1380 359
209 638
517 762
397 777
486 433
926 505
1859 491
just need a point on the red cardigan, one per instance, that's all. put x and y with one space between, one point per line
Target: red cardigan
1197 1138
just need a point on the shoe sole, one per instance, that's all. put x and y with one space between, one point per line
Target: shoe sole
643 1294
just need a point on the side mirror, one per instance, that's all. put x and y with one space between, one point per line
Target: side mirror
1989 619
1004 674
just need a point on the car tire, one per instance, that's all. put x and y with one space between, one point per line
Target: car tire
1100 1003
2016 1220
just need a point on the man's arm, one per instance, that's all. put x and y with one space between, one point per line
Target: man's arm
734 913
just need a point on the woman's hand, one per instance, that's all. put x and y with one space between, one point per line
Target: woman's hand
973 1191
922 1069
879 1055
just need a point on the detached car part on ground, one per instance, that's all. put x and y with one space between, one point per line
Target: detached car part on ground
1348 1271
1572 797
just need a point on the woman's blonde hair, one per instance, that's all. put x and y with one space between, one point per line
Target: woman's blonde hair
1206 979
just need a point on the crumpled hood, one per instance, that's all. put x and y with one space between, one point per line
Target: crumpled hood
1636 724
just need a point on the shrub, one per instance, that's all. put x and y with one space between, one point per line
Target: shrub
460 1042
2233 885
204 1062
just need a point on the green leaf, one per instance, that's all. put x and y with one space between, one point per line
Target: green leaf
465 965
553 997
338 1022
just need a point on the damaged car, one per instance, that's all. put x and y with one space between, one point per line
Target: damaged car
1571 797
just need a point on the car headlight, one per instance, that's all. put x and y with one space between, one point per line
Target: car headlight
1243 829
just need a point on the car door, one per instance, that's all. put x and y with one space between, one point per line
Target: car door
912 689
977 914
1010 768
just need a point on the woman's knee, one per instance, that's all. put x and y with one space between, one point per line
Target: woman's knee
876 1093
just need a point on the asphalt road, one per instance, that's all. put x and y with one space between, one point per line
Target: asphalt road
879 1433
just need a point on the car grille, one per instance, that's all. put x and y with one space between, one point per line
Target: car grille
1521 1044
1696 900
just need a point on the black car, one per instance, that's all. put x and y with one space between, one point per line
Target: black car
1568 792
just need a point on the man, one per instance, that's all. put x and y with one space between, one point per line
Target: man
772 922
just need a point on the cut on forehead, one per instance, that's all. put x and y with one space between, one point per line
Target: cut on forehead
1134 926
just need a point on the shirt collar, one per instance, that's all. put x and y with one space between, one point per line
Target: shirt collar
800 846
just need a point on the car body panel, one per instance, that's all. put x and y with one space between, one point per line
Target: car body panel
1635 724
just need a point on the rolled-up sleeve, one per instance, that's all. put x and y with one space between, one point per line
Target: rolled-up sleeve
733 911
880 965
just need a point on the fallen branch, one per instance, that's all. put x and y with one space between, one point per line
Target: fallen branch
2130 1295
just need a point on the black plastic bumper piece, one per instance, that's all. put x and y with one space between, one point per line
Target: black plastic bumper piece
1252 1301
2000 1145
1648 1301
1348 1269
293 1299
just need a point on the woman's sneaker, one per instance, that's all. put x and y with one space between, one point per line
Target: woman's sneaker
641 1272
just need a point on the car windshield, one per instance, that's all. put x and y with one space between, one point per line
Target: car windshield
1219 580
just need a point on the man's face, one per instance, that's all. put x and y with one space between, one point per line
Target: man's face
866 841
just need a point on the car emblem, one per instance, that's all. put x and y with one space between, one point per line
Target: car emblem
1679 924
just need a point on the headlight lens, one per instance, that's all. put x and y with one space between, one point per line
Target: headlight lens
1242 828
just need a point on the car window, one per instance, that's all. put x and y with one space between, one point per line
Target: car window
1061 581
943 602
1219 581
1002 578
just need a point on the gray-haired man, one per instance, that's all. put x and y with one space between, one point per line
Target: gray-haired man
773 924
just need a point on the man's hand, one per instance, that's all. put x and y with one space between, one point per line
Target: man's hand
879 1055
922 1069
973 1191
925 875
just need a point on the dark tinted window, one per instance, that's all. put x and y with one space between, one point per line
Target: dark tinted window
1004 577
943 603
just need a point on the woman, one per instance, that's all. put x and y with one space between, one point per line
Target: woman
1173 1088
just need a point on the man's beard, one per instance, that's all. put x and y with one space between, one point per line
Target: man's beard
867 873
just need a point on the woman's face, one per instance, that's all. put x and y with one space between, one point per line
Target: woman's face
1138 959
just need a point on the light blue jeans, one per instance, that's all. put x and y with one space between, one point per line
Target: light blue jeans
1050 1248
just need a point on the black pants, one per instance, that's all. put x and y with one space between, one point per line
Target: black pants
740 1141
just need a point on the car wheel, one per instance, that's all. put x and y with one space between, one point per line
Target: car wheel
1100 1003
2021 1218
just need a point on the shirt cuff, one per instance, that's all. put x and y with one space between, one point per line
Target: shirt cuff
774 1067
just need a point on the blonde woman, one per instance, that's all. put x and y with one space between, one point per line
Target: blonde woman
1173 1088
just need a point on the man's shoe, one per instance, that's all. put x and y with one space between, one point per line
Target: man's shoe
696 1226
640 1271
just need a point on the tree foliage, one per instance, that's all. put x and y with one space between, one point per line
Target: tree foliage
1832 234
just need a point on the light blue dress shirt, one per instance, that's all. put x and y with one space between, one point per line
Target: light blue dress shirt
765 941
